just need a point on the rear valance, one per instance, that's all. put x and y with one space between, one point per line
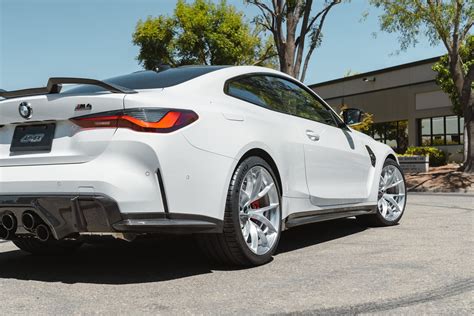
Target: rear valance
55 85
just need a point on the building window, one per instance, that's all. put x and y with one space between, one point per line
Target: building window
441 131
394 134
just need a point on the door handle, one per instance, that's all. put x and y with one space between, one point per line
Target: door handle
312 135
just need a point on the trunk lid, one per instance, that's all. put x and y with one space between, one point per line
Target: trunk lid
70 144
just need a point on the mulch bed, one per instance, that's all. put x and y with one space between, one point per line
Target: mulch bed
441 179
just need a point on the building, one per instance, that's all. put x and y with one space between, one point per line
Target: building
409 108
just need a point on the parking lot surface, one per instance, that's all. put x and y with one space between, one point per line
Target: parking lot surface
423 265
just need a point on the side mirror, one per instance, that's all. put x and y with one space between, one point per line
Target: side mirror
352 116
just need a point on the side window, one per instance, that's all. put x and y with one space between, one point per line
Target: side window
281 95
303 104
250 89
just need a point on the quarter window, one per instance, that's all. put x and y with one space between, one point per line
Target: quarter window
280 95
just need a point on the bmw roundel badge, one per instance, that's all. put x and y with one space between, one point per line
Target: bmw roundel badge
25 109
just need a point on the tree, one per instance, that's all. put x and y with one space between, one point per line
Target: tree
446 21
201 32
444 78
292 25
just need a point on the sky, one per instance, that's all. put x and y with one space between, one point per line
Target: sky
92 38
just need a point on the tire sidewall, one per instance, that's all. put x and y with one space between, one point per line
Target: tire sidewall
233 204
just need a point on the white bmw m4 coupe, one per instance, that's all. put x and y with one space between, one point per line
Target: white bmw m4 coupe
233 155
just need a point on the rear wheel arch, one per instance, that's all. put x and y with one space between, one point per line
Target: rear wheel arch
258 152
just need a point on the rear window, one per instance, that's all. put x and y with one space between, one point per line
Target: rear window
151 79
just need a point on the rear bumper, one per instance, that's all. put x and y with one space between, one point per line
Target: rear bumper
71 214
129 171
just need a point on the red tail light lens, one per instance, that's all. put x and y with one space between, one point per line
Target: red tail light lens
142 120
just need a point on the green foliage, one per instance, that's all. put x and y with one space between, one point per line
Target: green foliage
201 32
444 78
437 20
437 156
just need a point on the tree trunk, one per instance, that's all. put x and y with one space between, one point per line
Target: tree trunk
468 140
463 87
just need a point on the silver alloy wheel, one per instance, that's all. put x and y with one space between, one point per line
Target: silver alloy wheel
259 210
391 197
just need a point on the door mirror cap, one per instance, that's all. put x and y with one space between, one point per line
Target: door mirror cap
352 116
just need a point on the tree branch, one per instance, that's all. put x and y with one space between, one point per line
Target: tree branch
314 42
438 25
467 28
323 11
304 26
266 55
263 7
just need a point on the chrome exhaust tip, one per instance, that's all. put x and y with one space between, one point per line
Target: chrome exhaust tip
29 221
43 233
4 233
9 222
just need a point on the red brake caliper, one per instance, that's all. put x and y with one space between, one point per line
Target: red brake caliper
255 204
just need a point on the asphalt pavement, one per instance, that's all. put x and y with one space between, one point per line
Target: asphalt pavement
425 265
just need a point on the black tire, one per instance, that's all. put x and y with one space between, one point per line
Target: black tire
376 219
229 247
47 248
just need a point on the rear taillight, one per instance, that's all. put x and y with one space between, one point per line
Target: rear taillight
142 120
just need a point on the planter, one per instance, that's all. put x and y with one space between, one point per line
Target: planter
414 164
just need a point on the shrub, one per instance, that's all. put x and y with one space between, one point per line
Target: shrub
437 156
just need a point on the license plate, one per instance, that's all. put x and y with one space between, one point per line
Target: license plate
33 138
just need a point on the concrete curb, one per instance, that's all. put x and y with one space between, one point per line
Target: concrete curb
466 194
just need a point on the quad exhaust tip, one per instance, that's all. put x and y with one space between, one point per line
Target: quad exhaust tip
9 222
29 221
4 233
43 233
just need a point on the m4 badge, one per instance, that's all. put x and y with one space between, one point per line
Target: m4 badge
83 107
32 138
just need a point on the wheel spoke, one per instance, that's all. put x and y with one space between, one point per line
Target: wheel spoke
380 204
395 194
262 236
382 181
391 201
244 194
253 236
257 184
386 179
265 190
393 184
262 219
264 209
246 230
260 194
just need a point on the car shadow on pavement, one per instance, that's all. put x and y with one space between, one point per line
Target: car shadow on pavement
166 258
313 234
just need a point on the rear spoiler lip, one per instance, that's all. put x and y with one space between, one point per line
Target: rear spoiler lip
55 84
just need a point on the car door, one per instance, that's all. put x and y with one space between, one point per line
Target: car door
337 163
337 166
